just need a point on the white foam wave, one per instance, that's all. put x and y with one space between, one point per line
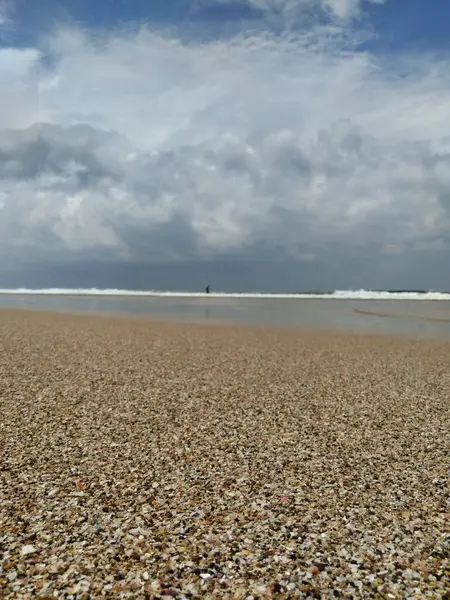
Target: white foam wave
337 294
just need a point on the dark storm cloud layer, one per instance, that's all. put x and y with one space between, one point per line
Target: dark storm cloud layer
85 188
138 154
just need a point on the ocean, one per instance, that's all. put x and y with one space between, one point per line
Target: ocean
424 314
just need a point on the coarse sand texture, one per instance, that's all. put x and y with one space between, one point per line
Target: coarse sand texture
170 460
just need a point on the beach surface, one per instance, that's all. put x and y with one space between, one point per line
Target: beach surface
146 459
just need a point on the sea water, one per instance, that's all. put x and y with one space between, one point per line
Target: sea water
413 313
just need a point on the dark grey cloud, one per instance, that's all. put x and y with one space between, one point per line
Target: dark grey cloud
80 194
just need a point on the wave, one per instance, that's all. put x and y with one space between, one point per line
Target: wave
336 295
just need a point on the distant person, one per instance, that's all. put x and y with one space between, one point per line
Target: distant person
207 289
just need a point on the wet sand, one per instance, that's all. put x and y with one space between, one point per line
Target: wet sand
391 315
145 459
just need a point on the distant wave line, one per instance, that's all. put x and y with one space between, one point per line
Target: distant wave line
336 295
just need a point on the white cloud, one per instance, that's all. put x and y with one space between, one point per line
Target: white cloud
19 100
3 14
6 12
295 9
143 145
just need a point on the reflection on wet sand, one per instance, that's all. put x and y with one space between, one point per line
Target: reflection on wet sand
387 315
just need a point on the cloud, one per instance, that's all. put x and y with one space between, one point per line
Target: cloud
7 11
4 10
141 146
293 10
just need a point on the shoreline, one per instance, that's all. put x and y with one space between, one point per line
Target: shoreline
386 315
206 322
352 296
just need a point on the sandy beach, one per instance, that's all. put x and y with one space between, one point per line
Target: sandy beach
172 460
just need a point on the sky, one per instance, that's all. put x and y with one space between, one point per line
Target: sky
253 145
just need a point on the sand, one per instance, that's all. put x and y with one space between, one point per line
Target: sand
162 460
